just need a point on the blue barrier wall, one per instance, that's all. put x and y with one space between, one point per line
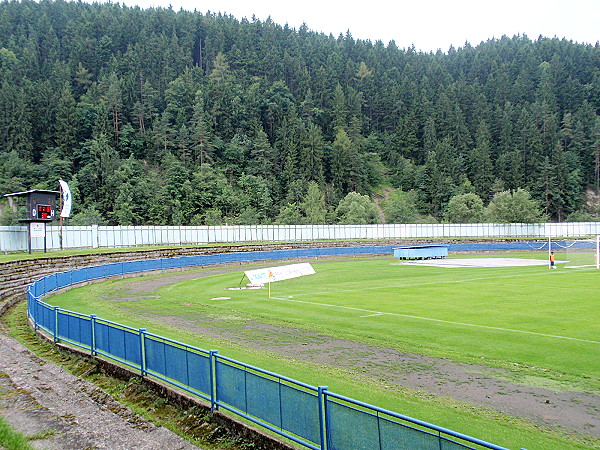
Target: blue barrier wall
312 416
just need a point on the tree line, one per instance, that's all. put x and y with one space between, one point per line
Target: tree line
156 116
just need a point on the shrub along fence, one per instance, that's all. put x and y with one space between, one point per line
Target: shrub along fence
312 416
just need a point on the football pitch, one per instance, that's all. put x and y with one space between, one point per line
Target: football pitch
539 326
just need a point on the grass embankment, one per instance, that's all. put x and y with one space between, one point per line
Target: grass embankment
12 440
538 323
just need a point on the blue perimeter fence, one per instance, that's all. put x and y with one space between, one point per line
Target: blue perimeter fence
312 416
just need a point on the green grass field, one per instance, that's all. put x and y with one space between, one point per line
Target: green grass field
541 324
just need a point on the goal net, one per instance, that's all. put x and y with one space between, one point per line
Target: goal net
575 253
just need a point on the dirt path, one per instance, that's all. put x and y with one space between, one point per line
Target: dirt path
40 398
553 406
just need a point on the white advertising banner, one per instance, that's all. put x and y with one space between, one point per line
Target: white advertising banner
66 193
273 274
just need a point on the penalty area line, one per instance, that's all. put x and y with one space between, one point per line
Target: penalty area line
430 319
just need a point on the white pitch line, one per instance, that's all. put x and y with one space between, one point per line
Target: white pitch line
372 315
427 283
380 313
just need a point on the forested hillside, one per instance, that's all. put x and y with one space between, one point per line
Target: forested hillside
164 117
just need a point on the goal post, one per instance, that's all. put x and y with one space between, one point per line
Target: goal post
581 252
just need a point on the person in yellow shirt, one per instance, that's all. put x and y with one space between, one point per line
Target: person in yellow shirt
552 258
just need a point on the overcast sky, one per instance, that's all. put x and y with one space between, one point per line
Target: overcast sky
428 24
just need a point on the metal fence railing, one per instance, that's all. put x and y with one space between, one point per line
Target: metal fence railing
312 416
15 238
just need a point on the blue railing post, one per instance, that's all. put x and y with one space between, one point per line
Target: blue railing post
55 334
36 313
322 397
212 357
143 351
29 301
93 330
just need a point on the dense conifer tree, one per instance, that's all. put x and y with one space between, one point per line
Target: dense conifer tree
119 99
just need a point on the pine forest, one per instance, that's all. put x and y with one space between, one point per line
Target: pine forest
156 116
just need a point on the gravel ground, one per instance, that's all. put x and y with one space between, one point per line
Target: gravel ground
39 398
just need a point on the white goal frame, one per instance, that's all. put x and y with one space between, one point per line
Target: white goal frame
553 243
